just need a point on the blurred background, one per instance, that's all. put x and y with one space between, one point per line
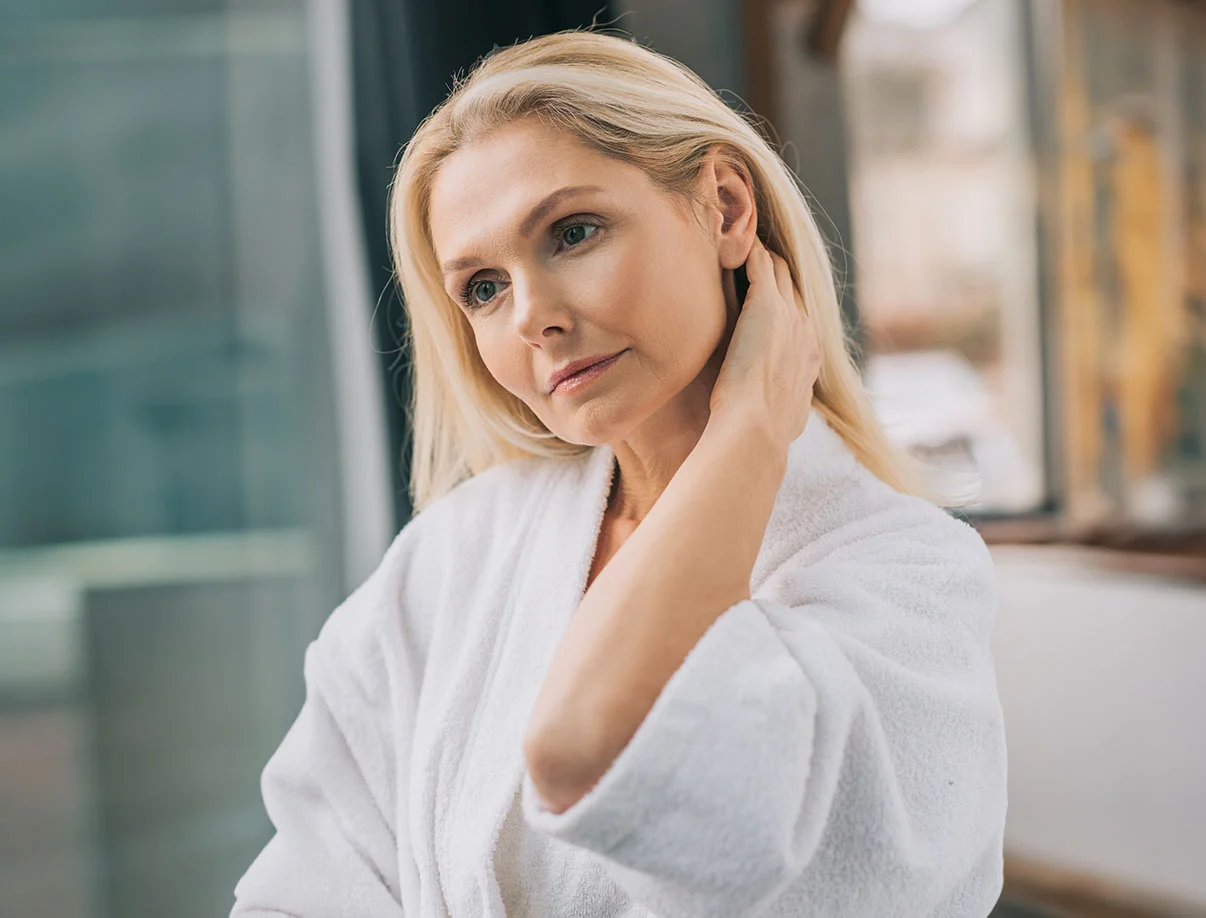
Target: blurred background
202 433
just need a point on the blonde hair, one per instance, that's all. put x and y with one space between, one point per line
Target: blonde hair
631 103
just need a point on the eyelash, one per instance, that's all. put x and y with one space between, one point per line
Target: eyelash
467 291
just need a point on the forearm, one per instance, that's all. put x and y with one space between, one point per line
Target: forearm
688 561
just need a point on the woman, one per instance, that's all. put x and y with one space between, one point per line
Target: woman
672 634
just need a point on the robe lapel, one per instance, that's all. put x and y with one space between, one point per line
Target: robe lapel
552 572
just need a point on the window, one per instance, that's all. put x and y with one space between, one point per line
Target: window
943 209
171 498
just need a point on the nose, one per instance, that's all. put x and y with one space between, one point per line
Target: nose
539 308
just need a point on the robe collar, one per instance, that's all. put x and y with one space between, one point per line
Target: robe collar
816 460
569 510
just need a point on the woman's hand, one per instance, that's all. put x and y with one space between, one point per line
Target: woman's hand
773 359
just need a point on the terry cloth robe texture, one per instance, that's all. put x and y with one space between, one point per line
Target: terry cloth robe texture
832 747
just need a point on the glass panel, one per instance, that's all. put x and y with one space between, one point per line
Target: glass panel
943 211
168 488
1131 307
1187 457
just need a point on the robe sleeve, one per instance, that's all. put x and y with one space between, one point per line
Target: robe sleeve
328 791
836 750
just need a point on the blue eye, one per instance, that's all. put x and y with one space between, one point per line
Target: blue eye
573 235
469 293
565 233
471 290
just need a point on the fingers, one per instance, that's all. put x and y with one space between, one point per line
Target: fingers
783 279
759 268
764 268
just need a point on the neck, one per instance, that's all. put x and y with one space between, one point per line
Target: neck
650 456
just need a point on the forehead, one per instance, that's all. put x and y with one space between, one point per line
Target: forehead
485 189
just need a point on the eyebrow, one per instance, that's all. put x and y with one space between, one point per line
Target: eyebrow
537 214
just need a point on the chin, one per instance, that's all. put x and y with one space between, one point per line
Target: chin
580 437
594 425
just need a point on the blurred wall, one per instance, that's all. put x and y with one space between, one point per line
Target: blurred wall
705 35
1101 679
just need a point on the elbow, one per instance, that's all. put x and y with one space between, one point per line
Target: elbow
561 778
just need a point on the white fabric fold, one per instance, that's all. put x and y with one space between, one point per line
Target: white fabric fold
832 746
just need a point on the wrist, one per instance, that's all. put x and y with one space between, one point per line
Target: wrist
749 428
751 440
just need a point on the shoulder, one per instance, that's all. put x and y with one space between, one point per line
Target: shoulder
908 538
831 504
488 496
400 599
845 533
902 529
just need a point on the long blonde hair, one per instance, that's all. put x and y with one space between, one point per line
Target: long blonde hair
642 108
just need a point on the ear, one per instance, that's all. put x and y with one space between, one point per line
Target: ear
734 219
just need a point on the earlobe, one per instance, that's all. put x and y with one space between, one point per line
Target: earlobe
739 221
737 243
732 196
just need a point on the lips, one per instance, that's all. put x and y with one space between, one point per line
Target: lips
577 367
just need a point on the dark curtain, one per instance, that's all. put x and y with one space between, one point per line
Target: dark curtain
404 56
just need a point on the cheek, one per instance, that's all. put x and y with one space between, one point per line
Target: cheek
608 285
501 359
631 291
685 310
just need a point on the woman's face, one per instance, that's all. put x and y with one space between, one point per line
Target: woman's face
556 254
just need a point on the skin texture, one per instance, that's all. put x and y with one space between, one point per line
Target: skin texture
700 410
650 278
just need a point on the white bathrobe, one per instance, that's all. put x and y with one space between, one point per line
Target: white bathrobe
832 747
